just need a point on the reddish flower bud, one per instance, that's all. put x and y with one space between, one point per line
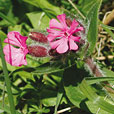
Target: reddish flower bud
38 51
37 36
68 22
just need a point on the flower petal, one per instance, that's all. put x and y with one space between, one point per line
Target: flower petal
54 34
54 24
16 39
60 45
50 37
79 29
55 44
72 45
73 26
75 38
63 46
14 56
61 18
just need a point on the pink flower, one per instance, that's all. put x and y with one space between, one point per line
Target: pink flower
15 56
61 36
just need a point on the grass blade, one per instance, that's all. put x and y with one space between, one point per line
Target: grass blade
7 80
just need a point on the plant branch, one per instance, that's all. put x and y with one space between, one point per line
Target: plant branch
66 109
96 72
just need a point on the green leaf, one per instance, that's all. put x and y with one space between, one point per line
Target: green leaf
51 67
96 99
108 29
108 73
47 68
46 6
39 20
72 80
48 97
5 6
7 18
15 28
24 75
2 36
93 80
6 108
92 19
86 5
106 26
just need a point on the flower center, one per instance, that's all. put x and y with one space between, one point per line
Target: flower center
66 34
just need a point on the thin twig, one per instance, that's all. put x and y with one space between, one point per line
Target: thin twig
66 109
76 9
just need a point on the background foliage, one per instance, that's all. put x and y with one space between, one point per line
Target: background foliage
45 86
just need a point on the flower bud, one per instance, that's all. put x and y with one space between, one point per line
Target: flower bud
68 22
37 36
38 51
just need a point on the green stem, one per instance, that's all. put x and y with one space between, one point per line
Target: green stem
7 81
59 96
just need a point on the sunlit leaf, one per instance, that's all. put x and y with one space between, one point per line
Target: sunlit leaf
96 99
46 6
39 20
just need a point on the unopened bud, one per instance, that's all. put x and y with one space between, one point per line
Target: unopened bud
68 22
38 51
37 36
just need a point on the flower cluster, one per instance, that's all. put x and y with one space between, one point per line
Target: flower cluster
16 56
61 37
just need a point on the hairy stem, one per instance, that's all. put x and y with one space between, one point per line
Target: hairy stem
96 72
